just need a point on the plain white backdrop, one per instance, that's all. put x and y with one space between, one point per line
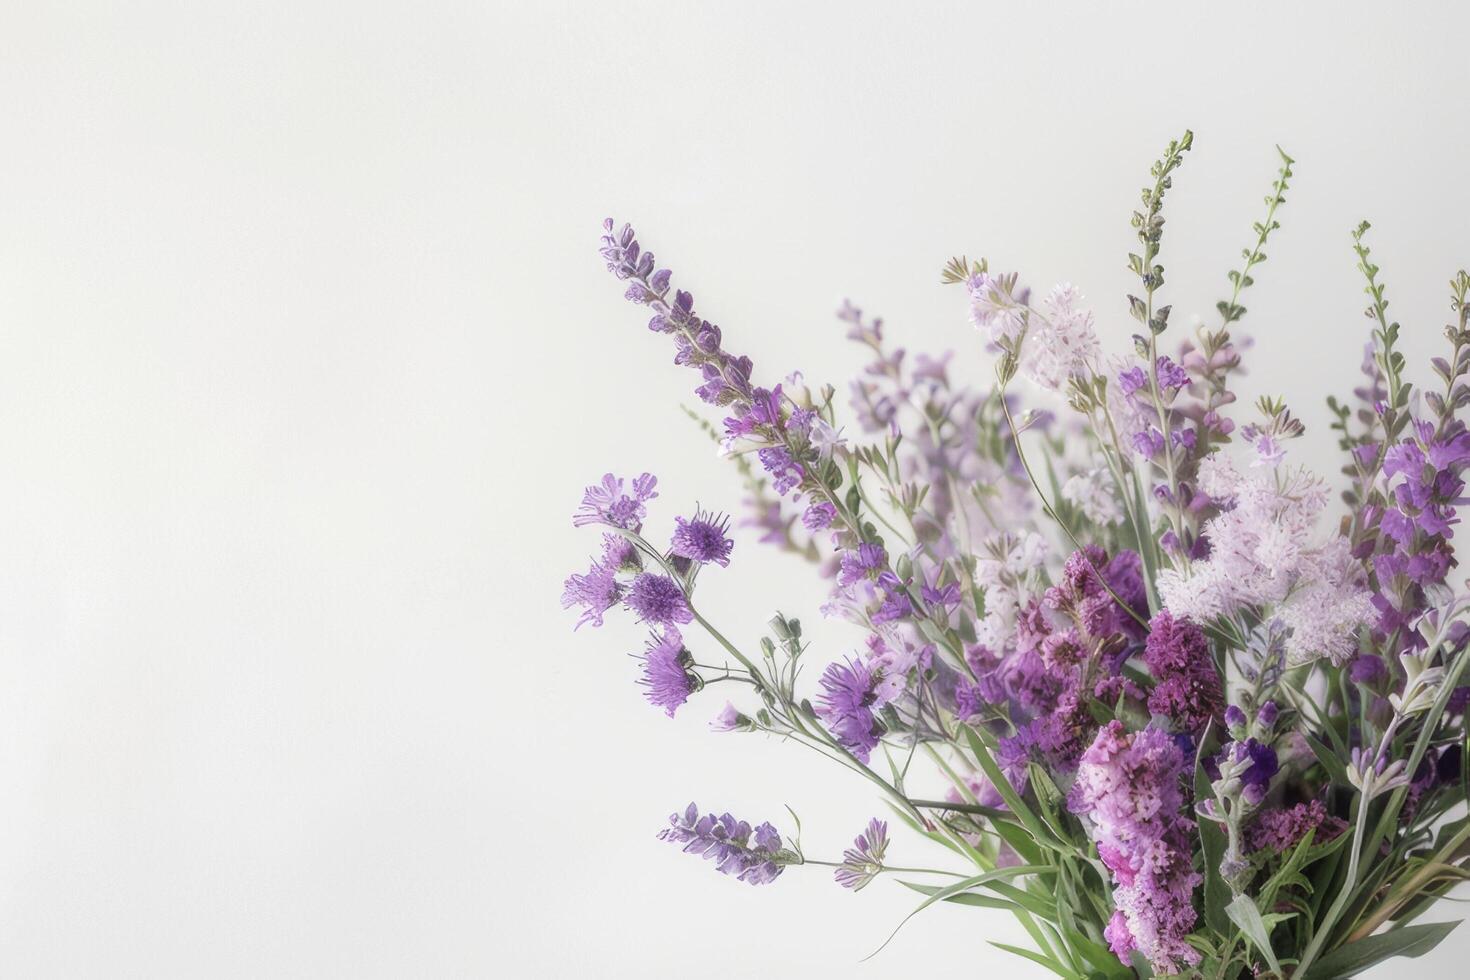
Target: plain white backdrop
306 352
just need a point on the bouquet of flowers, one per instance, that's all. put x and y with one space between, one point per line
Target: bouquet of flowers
1189 722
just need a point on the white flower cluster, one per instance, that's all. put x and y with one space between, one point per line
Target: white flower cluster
1009 569
1059 340
1264 555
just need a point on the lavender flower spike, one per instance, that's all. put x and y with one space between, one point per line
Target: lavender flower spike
754 856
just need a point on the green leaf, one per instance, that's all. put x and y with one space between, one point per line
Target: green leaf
1330 760
966 898
1354 958
1243 912
1212 840
1035 957
1019 840
963 885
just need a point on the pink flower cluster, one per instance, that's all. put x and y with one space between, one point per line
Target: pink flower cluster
1129 787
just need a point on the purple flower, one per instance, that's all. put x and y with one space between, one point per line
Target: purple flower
658 599
785 472
1281 830
818 516
1132 380
666 671
754 855
726 378
1260 767
620 555
846 703
1171 375
1129 787
896 603
1367 669
597 591
703 538
730 720
947 596
1149 442
607 503
969 701
865 562
862 862
1083 592
1187 686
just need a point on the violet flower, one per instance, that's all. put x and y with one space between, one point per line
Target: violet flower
752 855
863 862
703 538
667 672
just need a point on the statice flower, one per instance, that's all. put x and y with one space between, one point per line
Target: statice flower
1187 686
667 672
597 592
658 599
1281 830
609 503
703 538
863 862
1090 587
1128 786
753 855
1263 555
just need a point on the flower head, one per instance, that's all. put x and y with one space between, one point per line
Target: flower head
863 862
703 538
849 697
608 503
730 719
658 599
1128 785
667 672
1187 686
597 592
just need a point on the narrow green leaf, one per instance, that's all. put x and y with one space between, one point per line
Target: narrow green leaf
1330 760
1035 957
963 885
1243 912
1212 840
1354 958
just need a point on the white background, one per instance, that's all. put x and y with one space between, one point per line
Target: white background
306 352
